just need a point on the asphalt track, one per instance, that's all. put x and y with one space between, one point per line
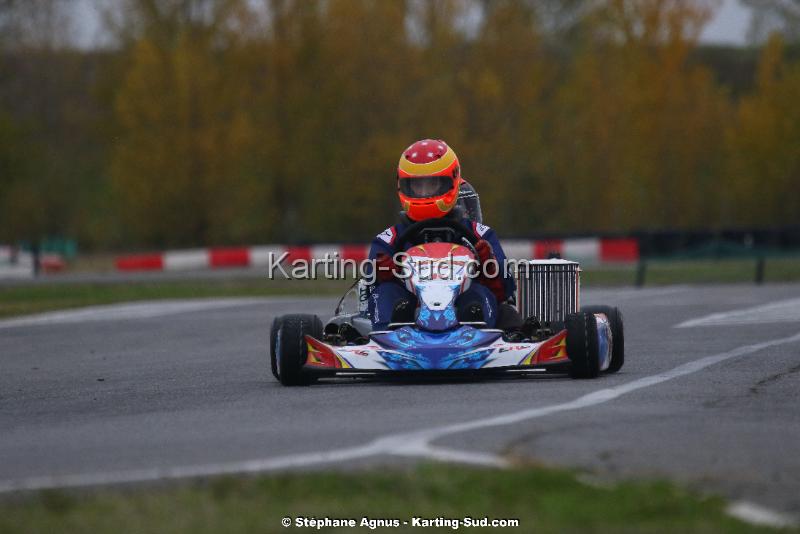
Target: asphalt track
169 389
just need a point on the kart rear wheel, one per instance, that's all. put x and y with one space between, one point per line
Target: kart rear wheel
582 346
273 336
291 347
617 334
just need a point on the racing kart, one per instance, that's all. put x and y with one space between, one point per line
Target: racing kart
547 330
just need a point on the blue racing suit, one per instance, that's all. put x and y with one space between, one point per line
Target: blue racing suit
385 295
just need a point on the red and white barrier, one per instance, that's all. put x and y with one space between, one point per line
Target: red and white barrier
589 250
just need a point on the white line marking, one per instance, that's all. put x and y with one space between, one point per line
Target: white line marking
784 311
124 312
755 514
415 444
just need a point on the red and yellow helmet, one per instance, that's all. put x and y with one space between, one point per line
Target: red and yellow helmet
428 178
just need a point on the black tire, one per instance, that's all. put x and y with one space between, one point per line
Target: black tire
291 349
617 334
273 336
582 347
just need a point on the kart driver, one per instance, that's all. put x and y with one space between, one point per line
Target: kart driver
428 182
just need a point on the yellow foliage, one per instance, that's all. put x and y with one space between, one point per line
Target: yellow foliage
764 145
288 126
185 138
637 127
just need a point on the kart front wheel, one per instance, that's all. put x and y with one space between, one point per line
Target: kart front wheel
582 346
291 349
617 334
273 337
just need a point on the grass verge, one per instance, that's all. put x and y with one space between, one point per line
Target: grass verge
542 500
666 272
27 299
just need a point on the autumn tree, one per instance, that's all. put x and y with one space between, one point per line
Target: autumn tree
20 217
184 132
763 155
247 121
504 80
638 131
370 113
44 118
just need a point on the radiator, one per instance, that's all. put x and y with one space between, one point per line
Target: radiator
548 289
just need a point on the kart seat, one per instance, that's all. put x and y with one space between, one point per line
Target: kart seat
508 318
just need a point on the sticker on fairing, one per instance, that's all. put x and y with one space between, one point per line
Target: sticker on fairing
387 235
481 229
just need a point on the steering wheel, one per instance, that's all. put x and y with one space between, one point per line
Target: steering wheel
461 231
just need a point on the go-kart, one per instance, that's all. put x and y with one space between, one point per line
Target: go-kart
437 340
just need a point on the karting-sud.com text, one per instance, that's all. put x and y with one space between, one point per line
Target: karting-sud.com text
333 267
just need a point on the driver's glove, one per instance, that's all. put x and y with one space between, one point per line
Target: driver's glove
484 250
493 283
384 268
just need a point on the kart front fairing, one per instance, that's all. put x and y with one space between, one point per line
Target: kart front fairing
411 349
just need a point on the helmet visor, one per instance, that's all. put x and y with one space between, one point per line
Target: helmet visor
426 186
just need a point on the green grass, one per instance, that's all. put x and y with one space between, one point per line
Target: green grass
665 272
543 500
27 299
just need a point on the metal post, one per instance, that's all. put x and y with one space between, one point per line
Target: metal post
35 253
641 271
760 270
